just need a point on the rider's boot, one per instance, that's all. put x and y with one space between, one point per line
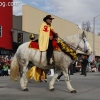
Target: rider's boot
50 61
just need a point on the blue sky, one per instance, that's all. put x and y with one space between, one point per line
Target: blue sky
75 11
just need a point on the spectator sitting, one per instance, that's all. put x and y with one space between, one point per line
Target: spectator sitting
5 69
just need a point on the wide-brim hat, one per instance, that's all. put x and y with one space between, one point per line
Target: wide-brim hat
47 17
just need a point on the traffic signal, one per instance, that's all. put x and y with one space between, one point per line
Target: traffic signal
20 38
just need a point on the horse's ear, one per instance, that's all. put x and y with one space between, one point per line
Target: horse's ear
83 34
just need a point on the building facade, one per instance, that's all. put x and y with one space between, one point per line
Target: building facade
32 18
5 28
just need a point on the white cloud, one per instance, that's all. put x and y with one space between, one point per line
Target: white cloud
17 9
75 11
34 3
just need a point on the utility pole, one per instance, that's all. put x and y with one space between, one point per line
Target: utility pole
94 35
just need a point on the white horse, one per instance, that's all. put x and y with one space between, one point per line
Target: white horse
62 61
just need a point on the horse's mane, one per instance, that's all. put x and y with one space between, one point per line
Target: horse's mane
68 45
72 40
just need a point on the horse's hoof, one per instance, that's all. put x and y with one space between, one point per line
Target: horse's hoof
74 91
52 89
45 80
16 80
25 89
41 81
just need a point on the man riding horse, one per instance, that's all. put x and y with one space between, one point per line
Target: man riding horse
46 37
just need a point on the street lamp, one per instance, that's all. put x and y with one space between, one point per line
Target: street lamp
94 34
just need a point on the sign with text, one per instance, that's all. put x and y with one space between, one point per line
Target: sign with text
4 52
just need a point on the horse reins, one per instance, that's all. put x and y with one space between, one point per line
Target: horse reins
75 48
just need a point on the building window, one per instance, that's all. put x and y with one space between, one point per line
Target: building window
0 31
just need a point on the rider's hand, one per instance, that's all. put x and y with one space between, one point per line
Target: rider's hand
57 35
51 37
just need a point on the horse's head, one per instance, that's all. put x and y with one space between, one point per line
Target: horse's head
84 44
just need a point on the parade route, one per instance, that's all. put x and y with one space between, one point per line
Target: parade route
88 88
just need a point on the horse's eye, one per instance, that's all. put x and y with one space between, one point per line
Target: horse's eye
86 51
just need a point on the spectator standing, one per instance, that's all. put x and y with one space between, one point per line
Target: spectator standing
97 64
74 67
84 64
71 68
99 68
59 76
1 69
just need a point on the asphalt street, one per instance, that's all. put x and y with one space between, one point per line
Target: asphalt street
88 88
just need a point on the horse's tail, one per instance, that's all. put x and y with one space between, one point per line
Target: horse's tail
14 70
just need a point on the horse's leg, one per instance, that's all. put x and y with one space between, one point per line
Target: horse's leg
45 75
71 89
40 75
23 79
51 84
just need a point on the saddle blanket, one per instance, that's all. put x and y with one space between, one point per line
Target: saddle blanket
34 45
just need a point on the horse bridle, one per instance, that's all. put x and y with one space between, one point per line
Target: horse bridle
76 48
85 51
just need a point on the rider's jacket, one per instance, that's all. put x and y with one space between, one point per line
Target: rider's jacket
44 32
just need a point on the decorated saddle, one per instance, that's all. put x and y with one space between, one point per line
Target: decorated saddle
34 45
59 45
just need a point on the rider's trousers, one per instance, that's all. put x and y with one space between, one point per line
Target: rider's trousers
49 51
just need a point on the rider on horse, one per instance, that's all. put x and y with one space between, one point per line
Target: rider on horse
46 37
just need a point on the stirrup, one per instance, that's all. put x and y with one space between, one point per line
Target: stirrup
50 62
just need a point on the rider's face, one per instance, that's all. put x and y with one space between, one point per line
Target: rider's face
49 21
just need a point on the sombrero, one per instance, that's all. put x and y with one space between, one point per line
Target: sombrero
47 17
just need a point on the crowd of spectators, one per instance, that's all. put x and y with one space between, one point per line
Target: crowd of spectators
76 66
83 65
5 62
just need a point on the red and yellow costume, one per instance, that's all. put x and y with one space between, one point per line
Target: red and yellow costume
44 33
34 73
